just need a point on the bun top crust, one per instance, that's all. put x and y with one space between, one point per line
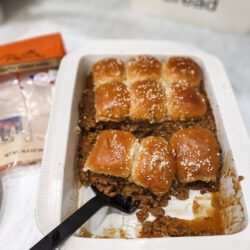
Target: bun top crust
112 153
140 68
185 103
112 102
153 91
182 70
197 154
108 70
148 101
154 166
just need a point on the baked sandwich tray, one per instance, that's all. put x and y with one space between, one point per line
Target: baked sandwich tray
156 122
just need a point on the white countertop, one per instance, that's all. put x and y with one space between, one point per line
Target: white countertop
78 21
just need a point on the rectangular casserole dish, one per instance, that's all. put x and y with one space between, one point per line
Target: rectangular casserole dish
58 193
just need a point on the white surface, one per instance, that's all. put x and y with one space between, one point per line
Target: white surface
57 192
18 195
82 19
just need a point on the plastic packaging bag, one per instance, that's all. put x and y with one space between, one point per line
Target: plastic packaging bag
27 77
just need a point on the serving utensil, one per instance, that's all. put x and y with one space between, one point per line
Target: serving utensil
79 217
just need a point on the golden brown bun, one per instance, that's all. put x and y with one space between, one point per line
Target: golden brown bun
182 70
108 70
112 153
154 165
185 103
197 154
112 102
140 68
148 101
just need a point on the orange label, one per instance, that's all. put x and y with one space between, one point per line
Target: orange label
39 49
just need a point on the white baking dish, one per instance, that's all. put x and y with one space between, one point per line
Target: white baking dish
58 194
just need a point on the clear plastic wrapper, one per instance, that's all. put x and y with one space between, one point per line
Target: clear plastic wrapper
27 76
25 102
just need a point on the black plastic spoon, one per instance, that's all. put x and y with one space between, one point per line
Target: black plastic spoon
79 217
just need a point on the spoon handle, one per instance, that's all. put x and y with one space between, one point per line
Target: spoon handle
70 225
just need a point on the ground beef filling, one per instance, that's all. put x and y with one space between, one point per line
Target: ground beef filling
111 186
152 204
164 226
142 214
